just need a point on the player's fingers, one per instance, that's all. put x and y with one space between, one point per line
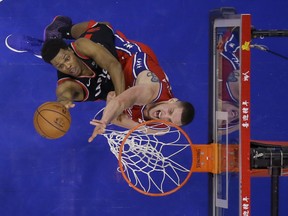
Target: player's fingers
95 122
98 130
94 134
91 138
68 104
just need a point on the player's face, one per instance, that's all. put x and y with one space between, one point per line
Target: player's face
66 62
232 110
166 110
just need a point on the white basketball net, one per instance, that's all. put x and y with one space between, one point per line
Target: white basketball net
154 163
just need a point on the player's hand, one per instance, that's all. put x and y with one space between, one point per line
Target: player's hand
68 104
99 128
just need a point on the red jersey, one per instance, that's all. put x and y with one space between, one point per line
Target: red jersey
136 57
135 65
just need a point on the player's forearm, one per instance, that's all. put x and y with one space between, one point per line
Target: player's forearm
65 96
116 106
68 95
128 123
112 111
117 76
124 121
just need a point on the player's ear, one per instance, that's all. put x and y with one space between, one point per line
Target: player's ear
172 100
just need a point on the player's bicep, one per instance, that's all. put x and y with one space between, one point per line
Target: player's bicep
140 94
148 83
147 77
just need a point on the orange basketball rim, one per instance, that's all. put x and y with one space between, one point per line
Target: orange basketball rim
156 163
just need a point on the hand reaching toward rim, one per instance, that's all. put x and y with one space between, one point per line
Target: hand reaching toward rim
100 127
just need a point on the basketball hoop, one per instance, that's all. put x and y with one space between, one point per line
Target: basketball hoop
154 164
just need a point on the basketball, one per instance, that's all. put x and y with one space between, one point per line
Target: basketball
52 120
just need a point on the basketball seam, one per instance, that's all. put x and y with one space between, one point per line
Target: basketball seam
39 128
39 112
40 118
55 112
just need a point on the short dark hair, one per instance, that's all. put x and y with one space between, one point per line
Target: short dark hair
188 112
51 48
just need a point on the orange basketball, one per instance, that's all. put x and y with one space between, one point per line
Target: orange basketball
52 120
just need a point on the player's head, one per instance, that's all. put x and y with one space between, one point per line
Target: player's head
232 110
175 111
61 56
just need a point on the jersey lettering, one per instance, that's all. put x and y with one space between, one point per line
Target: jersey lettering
138 63
128 45
89 82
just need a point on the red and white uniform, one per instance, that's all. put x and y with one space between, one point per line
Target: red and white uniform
135 65
136 57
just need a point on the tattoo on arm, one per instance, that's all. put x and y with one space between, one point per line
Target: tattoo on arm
154 78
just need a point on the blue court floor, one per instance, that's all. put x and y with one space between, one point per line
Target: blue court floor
69 176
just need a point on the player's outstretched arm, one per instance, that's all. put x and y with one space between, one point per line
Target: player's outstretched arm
140 94
68 92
